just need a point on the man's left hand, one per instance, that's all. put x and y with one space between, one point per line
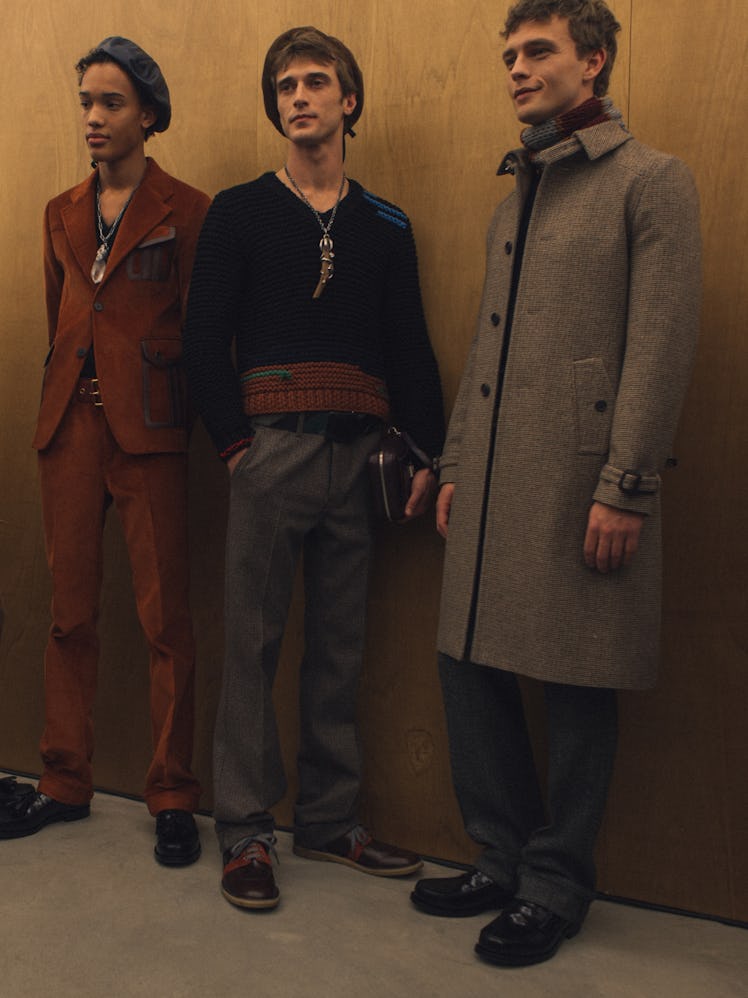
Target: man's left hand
421 493
612 537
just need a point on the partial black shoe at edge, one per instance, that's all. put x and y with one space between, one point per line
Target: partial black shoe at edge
32 812
177 839
11 791
524 933
471 893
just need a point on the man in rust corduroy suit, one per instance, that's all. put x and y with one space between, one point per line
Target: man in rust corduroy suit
113 428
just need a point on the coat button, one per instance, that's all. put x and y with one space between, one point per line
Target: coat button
495 318
98 307
485 390
601 405
508 248
81 352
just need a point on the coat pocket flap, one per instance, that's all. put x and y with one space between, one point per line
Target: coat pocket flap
162 353
595 403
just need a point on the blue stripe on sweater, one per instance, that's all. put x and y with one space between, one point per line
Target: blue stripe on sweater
388 211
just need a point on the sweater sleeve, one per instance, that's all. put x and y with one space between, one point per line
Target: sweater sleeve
411 369
212 320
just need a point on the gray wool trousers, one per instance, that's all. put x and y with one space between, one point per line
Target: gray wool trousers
542 850
293 494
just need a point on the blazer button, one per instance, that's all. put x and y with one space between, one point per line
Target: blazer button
98 306
495 318
508 248
601 405
81 352
485 390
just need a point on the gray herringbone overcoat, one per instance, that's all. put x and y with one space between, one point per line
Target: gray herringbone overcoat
600 350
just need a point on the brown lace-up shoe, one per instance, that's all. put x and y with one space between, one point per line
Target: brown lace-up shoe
358 849
248 879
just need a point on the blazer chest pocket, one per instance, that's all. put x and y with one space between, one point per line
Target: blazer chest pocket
595 403
164 388
152 259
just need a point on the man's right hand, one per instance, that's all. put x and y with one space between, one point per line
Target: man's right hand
443 506
232 462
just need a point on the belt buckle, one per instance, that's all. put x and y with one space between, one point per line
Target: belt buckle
95 393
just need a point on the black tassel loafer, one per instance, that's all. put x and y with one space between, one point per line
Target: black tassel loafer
523 934
33 811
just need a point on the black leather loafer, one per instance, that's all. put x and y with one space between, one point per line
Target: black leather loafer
12 791
456 897
33 811
177 839
523 934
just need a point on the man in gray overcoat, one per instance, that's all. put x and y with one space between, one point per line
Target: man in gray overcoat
550 497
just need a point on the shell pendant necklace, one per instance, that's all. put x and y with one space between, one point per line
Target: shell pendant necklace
105 239
326 268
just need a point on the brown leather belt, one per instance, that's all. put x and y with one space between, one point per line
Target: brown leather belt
88 391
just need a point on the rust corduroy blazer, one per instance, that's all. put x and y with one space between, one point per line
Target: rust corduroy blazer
133 317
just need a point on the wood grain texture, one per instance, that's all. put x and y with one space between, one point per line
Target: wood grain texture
435 126
677 823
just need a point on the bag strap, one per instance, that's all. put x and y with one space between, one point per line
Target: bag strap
426 461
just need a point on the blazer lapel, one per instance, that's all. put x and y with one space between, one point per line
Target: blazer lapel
79 219
148 208
146 211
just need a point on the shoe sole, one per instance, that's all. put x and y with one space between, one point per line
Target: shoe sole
170 861
517 960
245 903
77 815
328 857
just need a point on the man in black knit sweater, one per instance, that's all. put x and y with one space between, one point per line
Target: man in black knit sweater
314 282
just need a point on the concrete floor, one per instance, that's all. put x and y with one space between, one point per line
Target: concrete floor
86 912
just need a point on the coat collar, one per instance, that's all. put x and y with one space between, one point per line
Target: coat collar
594 142
148 208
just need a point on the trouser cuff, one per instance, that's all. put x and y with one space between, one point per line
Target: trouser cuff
564 899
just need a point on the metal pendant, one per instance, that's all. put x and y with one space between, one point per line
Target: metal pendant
326 265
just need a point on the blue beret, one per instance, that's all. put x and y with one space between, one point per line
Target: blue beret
145 73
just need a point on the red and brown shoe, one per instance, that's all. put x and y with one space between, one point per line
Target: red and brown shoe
248 879
358 849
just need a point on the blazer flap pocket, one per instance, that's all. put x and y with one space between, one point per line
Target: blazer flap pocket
162 353
160 235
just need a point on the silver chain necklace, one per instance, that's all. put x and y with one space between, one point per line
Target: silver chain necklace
102 253
325 244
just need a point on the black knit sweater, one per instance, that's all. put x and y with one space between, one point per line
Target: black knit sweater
361 347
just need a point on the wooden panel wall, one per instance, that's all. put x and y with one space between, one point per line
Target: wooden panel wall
435 126
677 824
